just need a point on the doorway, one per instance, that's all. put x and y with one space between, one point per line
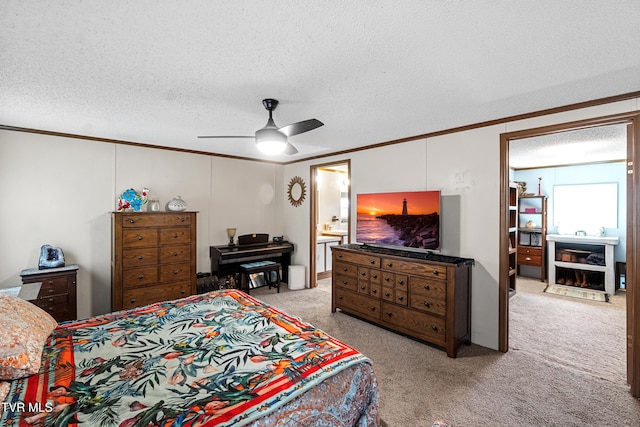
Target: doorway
330 214
632 123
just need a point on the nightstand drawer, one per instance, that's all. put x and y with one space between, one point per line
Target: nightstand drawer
58 285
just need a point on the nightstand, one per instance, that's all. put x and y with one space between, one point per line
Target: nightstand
57 294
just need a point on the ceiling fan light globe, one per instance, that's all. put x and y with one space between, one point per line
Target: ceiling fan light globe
270 141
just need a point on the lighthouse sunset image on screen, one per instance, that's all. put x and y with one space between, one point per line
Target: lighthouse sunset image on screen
408 219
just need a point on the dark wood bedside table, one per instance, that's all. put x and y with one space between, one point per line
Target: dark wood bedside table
57 294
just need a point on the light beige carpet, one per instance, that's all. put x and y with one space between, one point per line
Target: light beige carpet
565 367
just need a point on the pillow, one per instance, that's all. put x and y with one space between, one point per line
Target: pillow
4 391
24 329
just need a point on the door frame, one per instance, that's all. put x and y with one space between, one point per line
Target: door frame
313 214
632 119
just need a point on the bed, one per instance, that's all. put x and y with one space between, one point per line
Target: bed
218 359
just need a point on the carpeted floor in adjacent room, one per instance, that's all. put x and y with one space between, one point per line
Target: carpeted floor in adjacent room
566 364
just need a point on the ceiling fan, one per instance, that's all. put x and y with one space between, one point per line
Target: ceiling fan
273 140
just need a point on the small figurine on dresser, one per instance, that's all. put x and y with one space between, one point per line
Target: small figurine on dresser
50 257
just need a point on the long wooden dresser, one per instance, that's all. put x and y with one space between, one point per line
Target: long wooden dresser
153 257
423 295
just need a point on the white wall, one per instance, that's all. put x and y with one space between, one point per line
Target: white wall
60 191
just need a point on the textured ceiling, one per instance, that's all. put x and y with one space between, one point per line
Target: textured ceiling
162 72
601 144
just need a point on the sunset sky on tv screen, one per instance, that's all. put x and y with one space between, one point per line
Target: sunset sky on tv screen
418 203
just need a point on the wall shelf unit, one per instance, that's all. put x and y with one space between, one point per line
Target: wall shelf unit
532 232
512 233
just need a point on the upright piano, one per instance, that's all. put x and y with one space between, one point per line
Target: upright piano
226 259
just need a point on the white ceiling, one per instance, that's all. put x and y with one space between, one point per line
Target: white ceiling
162 72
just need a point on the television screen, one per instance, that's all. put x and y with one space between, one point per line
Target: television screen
410 219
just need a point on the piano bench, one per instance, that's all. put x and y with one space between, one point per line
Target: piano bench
270 271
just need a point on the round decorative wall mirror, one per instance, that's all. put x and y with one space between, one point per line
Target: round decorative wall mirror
296 192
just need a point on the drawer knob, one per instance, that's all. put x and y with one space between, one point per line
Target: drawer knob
427 304
374 291
375 276
427 287
140 257
528 258
401 282
372 308
132 221
51 291
386 294
389 264
176 271
51 282
175 254
435 328
141 276
340 297
389 313
435 272
345 268
363 287
386 279
183 219
344 282
340 256
182 291
132 301
372 261
400 298
363 274
140 237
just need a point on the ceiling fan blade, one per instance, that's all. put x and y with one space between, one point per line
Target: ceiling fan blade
290 149
301 127
219 136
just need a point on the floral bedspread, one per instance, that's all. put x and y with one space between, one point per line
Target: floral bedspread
217 359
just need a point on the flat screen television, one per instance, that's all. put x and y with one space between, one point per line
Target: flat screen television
407 219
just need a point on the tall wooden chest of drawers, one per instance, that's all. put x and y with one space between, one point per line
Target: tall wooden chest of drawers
422 295
153 257
57 294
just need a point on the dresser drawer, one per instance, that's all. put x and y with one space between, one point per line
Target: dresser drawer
171 236
150 294
345 269
362 259
136 257
174 272
423 326
375 290
426 288
347 282
171 254
529 259
136 238
524 250
358 304
142 276
427 270
430 305
154 220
